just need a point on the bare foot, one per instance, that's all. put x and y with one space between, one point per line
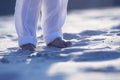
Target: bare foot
59 43
28 46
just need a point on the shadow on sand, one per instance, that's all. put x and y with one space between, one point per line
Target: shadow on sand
55 55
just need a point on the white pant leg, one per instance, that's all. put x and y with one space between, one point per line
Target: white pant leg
26 17
53 17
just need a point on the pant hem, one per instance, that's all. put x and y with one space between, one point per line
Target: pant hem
27 39
51 37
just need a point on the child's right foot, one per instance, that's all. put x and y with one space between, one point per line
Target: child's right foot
28 46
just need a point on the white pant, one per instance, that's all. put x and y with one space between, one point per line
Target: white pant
53 14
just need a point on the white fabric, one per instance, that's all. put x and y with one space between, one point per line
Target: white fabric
52 19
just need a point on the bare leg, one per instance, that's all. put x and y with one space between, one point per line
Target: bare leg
53 17
26 18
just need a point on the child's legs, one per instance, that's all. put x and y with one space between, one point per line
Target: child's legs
53 17
26 17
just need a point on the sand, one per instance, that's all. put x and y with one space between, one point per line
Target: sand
94 55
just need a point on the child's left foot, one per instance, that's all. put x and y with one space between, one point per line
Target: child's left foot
59 43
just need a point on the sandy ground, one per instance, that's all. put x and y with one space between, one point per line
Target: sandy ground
94 55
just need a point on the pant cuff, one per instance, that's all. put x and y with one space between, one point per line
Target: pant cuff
27 39
51 37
